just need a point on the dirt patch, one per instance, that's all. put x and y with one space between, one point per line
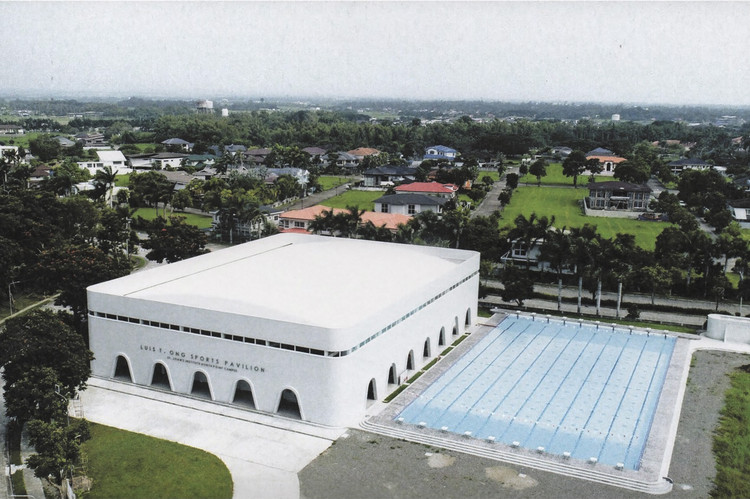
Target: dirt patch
439 460
508 477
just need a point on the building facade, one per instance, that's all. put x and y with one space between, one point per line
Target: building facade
298 325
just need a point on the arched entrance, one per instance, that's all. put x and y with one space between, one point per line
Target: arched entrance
243 394
392 375
288 405
122 370
372 392
410 361
441 338
160 378
468 317
427 351
201 387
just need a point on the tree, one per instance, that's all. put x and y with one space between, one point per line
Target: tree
511 180
530 231
539 169
633 171
574 165
150 188
34 396
517 285
557 250
45 147
71 269
173 241
57 447
42 339
105 179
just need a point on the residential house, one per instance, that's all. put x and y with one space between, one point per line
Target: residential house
91 139
440 153
616 195
40 173
179 144
200 160
11 129
256 157
409 203
167 160
141 161
683 164
343 159
361 152
388 174
316 154
300 220
64 141
740 209
561 151
113 159
608 164
179 179
447 191
600 151
254 228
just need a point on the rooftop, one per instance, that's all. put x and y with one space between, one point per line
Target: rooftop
305 279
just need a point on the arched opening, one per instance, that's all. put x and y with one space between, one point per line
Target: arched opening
122 370
160 378
392 375
427 351
468 317
243 394
455 327
200 386
441 338
288 405
410 361
372 391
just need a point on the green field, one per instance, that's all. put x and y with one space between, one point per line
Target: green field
555 177
200 221
329 182
732 440
563 204
129 465
364 200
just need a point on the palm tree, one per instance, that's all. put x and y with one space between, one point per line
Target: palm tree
556 250
106 178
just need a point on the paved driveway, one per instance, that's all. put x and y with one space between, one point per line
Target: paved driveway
263 453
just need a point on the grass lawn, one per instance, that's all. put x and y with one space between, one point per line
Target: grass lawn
732 440
494 175
130 465
555 177
122 180
364 200
200 221
330 181
563 204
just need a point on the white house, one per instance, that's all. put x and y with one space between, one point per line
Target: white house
114 159
440 153
167 160
409 203
292 325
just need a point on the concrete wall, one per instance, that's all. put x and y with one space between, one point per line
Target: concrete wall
331 390
728 328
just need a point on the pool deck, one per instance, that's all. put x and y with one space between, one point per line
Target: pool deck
649 478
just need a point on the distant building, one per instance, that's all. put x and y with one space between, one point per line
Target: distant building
409 204
447 191
113 159
384 175
683 164
179 143
205 106
440 153
618 196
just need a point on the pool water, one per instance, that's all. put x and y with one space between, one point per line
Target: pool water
576 390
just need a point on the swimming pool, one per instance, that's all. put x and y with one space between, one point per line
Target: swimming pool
568 389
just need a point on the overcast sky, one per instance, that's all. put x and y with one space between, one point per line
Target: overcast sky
616 52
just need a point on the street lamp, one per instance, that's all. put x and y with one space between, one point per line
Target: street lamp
67 415
10 296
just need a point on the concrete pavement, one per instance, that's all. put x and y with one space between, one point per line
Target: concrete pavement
263 453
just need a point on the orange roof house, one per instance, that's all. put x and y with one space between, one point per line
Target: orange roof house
361 152
429 188
609 163
299 220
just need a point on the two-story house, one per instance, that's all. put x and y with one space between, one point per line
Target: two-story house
440 153
616 195
409 204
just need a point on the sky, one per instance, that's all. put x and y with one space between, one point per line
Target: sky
640 52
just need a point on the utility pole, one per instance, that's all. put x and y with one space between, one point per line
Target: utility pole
10 296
